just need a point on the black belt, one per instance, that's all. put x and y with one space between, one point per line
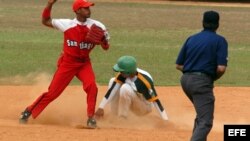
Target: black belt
197 73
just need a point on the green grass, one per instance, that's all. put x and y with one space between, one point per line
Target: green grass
153 33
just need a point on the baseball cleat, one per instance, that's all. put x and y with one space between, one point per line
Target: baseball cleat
24 116
91 123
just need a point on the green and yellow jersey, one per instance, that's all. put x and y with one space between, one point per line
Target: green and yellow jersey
142 84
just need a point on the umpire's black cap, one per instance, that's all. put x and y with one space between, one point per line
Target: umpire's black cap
211 17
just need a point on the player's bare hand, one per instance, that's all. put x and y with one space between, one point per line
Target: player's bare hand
51 1
99 113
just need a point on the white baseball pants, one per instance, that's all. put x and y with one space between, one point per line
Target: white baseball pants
128 99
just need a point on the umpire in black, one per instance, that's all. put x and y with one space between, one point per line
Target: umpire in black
203 59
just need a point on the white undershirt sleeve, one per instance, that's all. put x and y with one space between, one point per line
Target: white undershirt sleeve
162 113
108 97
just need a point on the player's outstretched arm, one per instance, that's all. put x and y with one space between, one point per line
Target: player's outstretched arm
160 109
99 113
46 15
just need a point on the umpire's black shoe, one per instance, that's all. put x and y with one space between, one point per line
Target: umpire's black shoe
91 123
24 116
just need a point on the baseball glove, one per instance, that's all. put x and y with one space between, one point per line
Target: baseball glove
95 35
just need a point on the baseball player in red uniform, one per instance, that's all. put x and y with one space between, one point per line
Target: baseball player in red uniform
80 37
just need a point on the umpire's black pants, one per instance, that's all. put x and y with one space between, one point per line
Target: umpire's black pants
199 89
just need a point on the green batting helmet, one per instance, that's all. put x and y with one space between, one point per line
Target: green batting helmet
126 64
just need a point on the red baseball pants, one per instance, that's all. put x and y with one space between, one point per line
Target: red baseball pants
68 67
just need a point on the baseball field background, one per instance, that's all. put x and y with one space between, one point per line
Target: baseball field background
153 32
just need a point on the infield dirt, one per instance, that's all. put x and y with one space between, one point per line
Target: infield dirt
60 119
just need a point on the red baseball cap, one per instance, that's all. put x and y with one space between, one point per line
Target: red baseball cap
81 3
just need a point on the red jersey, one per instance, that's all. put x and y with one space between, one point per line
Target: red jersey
74 36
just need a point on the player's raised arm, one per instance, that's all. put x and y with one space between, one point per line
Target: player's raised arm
46 15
